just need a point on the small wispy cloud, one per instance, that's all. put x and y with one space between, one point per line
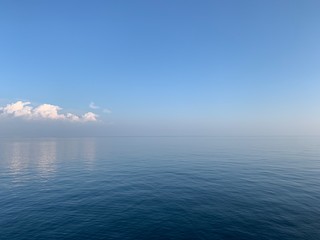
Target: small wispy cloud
92 105
106 110
25 110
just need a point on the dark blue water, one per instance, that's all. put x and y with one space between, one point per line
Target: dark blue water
160 188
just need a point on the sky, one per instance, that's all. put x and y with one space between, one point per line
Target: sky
159 67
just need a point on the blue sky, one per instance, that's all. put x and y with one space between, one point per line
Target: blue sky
178 63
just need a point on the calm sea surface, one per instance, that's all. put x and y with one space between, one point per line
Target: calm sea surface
160 188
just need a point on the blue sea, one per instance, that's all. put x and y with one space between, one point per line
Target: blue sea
160 188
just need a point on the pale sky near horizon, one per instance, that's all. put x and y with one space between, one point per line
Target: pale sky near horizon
159 67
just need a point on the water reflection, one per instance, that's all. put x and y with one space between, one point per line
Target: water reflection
39 157
46 156
19 155
88 151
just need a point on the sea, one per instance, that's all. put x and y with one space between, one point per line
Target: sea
154 188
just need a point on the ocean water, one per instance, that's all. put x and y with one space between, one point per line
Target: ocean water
160 188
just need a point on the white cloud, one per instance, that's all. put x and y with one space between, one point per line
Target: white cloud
89 117
18 109
44 111
48 111
93 106
72 117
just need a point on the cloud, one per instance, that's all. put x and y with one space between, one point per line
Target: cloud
47 111
93 106
106 110
44 111
89 117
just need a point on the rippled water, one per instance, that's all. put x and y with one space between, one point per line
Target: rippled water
160 188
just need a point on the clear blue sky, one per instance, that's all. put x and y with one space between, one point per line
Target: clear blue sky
179 62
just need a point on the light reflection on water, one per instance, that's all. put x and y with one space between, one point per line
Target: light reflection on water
26 156
17 155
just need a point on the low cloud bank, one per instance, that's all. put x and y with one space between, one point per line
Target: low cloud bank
25 110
